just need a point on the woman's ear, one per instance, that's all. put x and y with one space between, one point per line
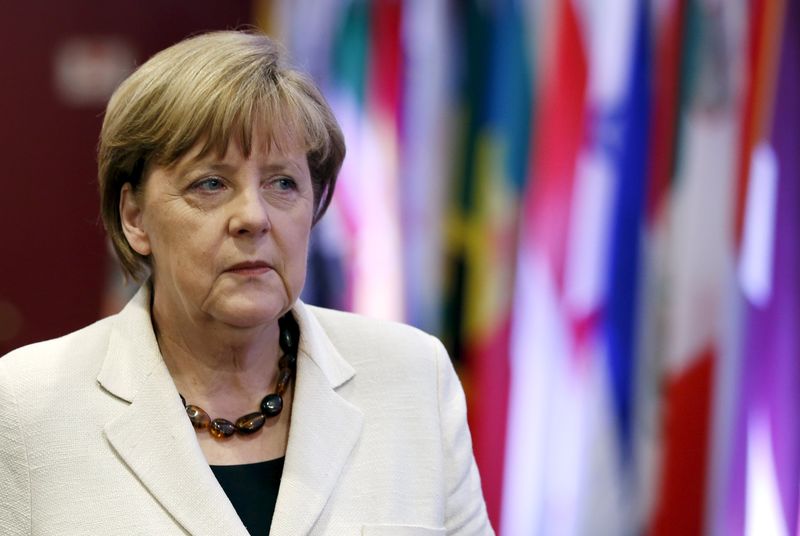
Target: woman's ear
130 213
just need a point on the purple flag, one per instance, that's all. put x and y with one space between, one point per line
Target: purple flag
769 427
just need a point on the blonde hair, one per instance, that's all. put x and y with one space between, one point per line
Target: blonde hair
210 89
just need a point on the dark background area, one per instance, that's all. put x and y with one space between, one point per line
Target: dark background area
53 261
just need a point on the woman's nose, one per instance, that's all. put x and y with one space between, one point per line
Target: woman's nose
250 214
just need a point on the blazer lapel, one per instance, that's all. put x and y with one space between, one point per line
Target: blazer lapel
153 436
324 429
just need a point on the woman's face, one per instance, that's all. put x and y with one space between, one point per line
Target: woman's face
227 235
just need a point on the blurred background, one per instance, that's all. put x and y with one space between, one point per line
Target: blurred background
595 204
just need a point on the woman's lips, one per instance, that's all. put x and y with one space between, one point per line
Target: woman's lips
249 268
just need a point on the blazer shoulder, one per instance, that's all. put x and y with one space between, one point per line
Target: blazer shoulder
341 324
66 351
356 335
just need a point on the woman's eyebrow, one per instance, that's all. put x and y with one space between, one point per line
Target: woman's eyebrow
206 165
280 165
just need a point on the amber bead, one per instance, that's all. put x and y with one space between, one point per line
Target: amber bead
250 423
284 376
271 405
199 418
220 428
287 361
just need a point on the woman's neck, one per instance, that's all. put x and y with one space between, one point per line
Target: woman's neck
227 372
215 364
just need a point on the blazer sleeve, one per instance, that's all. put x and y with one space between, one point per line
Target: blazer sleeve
465 510
15 492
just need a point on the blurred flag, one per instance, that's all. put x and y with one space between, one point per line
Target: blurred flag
668 32
604 271
648 389
496 143
366 94
698 273
768 438
762 46
428 41
547 386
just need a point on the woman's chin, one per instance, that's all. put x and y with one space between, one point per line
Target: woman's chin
248 317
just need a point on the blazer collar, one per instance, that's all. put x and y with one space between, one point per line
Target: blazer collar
325 428
152 435
155 439
132 349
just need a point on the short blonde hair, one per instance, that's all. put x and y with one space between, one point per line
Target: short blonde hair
210 89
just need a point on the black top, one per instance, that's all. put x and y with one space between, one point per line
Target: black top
253 490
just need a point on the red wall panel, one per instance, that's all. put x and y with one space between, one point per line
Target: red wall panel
52 249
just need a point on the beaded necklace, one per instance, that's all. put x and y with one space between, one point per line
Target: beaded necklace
271 405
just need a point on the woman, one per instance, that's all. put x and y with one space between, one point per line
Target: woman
216 401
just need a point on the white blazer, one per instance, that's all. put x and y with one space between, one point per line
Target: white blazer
94 439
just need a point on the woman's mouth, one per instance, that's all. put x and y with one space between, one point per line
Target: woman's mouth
249 268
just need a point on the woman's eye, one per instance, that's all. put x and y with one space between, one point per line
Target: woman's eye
285 183
211 184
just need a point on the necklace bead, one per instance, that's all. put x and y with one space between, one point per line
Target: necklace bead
250 423
199 418
284 377
221 428
286 340
271 405
289 334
